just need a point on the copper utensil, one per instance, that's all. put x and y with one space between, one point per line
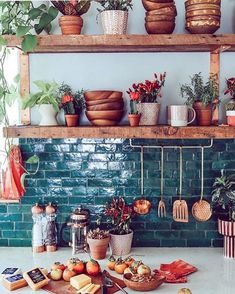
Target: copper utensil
201 209
180 207
142 206
161 205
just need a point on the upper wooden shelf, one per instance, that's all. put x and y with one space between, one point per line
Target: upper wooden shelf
145 132
130 43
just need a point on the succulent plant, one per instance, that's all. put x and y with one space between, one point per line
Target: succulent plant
98 234
72 7
230 105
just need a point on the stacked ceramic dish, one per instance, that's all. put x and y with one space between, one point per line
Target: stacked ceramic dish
160 16
202 16
104 108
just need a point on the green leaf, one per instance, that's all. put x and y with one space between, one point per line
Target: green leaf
43 23
41 85
34 13
17 79
33 159
22 180
53 12
29 43
22 31
3 42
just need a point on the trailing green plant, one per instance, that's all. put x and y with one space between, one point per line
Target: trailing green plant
48 94
71 102
72 7
223 197
23 19
200 91
124 5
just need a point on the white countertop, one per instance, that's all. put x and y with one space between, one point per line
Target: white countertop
216 275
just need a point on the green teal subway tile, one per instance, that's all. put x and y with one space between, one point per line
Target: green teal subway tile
170 183
83 173
106 174
26 148
146 243
31 199
80 190
65 141
192 165
114 141
106 148
183 226
82 200
6 225
74 182
49 183
92 191
39 175
101 200
48 165
209 225
167 234
101 157
35 191
138 226
171 155
3 242
16 208
23 226
152 182
20 242
97 165
92 141
116 165
30 182
219 146
39 148
212 235
22 141
64 209
56 200
100 183
57 174
231 147
126 174
57 148
27 217
218 243
10 217
3 208
46 156
76 156
125 182
68 165
131 191
60 192
15 234
220 164
170 165
173 243
199 243
152 173
192 234
107 192
162 225
169 191
90 148
146 235
38 141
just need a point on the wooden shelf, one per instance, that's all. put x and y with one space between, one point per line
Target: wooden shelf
130 43
145 132
9 201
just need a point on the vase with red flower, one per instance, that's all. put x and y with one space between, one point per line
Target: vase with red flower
72 104
134 116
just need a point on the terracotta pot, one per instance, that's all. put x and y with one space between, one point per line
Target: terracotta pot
121 244
149 113
204 113
134 119
114 22
70 24
230 117
227 229
98 248
71 120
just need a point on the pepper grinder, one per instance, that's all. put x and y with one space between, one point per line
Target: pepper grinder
37 231
51 231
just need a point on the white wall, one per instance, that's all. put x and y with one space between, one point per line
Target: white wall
118 71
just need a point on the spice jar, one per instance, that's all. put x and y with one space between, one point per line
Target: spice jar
50 232
37 231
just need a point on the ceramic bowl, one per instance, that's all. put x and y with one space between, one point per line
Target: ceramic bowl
160 27
104 101
138 286
114 115
101 94
106 106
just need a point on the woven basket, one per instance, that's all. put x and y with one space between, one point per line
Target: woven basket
114 22
149 113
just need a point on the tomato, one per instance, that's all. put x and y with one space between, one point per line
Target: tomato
92 267
111 263
58 265
67 274
120 266
128 261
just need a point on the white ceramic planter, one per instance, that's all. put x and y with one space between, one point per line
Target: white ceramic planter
121 244
48 115
114 22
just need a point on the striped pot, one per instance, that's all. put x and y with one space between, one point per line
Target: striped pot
227 229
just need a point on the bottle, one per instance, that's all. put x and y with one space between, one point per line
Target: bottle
51 231
37 231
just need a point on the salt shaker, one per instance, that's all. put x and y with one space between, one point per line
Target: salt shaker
37 231
51 231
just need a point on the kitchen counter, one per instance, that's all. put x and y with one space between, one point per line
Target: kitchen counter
216 275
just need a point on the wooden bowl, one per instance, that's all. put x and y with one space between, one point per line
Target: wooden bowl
203 12
163 11
138 286
161 1
160 27
106 106
104 101
199 18
149 5
104 122
114 115
190 2
194 7
202 26
157 17
100 95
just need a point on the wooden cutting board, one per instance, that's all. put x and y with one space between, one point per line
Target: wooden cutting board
62 287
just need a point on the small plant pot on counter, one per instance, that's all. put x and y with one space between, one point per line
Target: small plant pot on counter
48 115
72 120
203 113
114 22
230 114
227 229
121 244
149 113
134 119
71 24
98 248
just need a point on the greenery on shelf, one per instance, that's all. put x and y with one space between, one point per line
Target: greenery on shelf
74 7
230 105
198 91
124 5
23 19
223 197
48 94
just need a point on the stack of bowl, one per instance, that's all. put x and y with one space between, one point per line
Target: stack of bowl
104 108
202 16
160 16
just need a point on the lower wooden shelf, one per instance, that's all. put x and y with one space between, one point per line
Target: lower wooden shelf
122 131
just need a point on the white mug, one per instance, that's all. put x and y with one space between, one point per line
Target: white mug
178 115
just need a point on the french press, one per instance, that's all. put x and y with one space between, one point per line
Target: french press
79 225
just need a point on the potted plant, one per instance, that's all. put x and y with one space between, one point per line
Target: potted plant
72 103
223 206
202 96
134 116
47 102
149 92
114 15
98 241
230 106
71 22
120 216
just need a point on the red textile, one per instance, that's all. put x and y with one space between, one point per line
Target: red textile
176 271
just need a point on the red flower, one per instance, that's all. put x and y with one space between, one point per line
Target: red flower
134 96
66 98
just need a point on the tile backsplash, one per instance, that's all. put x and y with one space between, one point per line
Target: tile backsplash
91 171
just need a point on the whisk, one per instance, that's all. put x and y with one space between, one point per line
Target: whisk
161 205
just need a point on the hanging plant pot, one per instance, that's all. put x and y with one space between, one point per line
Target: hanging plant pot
71 120
70 24
149 113
204 113
227 229
121 244
48 115
134 119
114 22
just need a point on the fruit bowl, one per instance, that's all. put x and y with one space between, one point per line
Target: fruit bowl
146 283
